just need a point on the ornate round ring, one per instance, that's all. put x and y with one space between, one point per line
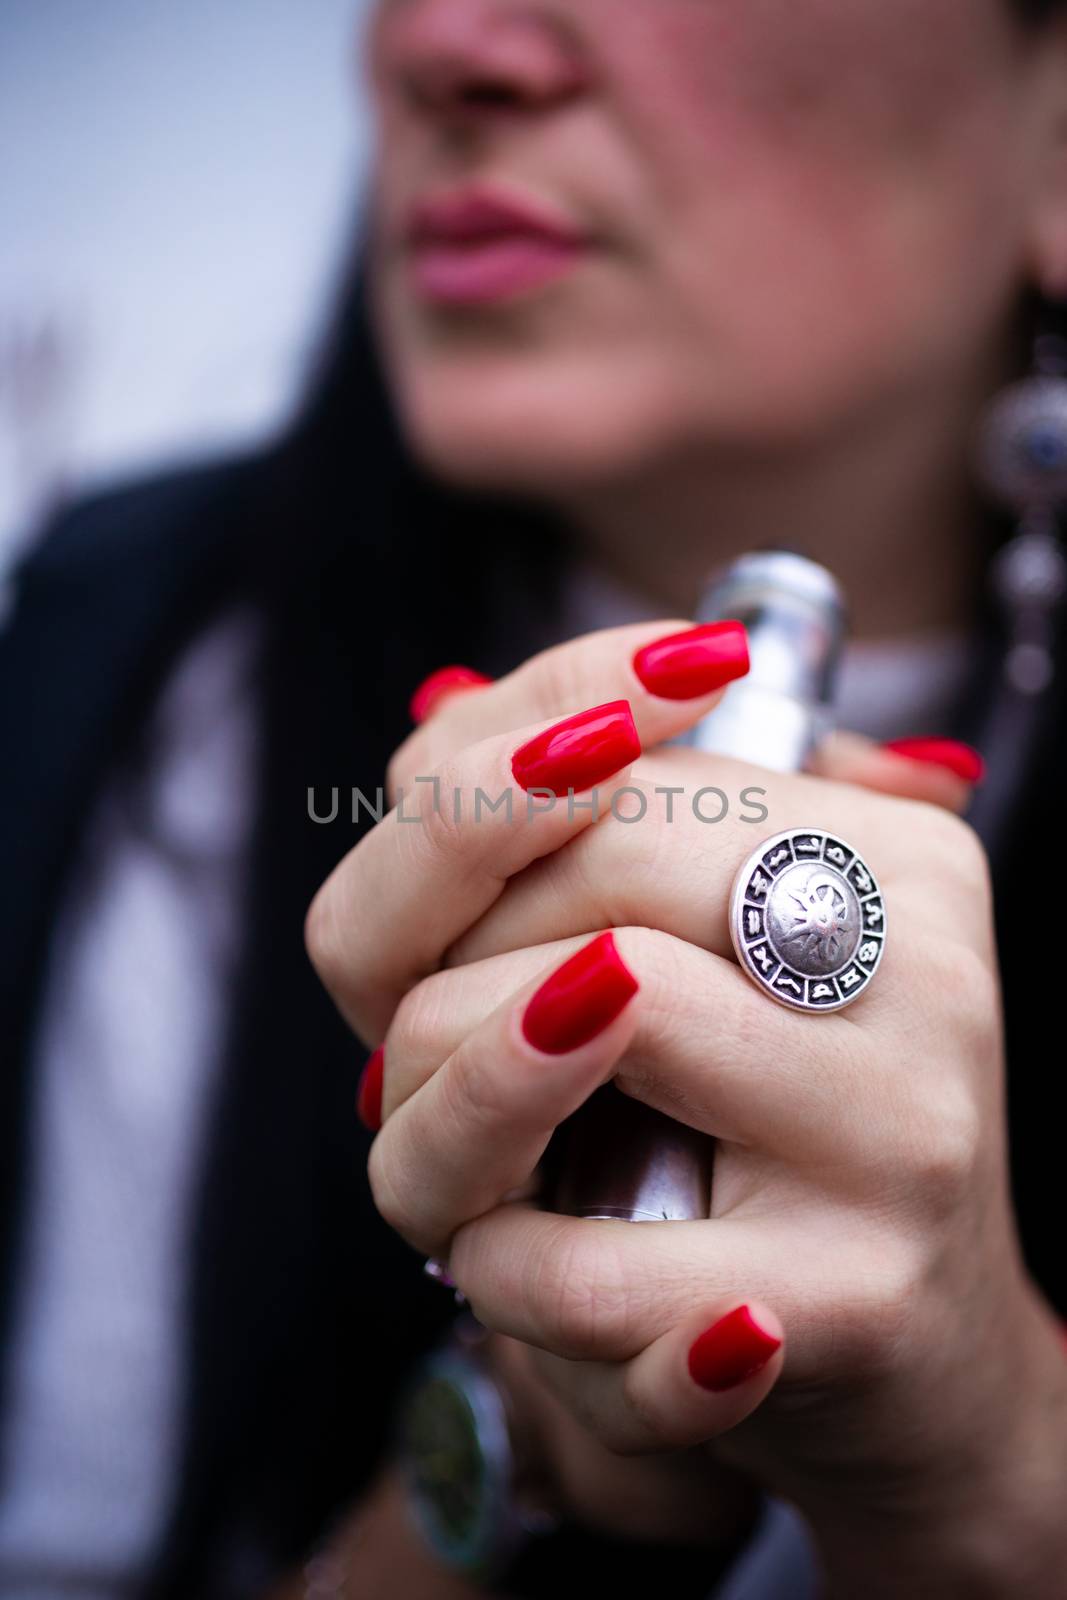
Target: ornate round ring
808 921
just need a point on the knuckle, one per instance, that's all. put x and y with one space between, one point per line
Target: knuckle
387 1192
322 933
556 678
417 1021
642 855
873 1324
967 849
962 991
480 1102
422 753
958 853
399 770
337 950
582 1295
968 983
569 877
438 814
943 1167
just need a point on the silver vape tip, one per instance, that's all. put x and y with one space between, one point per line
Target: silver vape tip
794 613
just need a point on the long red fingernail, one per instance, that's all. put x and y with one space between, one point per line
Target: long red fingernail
580 752
369 1093
731 1351
580 999
696 662
949 753
445 681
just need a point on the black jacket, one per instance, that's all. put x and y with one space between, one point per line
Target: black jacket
304 1312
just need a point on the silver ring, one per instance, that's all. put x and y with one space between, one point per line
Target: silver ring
808 920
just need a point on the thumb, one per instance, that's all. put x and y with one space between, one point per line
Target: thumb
689 1385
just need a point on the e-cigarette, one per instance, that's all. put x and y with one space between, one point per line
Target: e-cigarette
619 1158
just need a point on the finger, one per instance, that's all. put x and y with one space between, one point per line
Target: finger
434 690
673 864
435 1017
706 1049
693 1383
671 673
938 771
665 1496
605 1291
602 1291
387 913
478 1127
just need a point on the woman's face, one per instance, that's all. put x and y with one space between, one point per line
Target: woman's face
606 231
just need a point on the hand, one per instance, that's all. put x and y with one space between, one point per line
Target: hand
915 1406
373 1553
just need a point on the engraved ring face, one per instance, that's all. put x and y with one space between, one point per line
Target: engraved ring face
807 920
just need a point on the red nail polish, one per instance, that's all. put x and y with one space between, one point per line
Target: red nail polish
695 662
580 999
369 1093
579 752
949 753
445 681
731 1351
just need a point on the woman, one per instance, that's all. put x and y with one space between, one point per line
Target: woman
652 285
694 276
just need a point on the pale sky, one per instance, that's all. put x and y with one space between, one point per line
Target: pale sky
176 181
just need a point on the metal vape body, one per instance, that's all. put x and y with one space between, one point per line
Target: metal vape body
621 1160
794 614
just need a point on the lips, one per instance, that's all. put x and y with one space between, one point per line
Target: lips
474 247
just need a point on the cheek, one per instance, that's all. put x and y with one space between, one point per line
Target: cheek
853 79
836 182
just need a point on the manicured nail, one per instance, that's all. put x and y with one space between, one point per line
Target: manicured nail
731 1351
369 1094
580 752
580 999
695 662
445 681
949 753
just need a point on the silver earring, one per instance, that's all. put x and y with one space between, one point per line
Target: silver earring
1022 439
1022 463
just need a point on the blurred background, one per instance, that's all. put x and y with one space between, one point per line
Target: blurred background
176 180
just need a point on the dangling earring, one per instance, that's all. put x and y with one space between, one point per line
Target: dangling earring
1022 462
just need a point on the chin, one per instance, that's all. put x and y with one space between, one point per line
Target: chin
526 431
476 450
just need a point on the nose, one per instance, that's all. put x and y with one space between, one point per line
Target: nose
472 60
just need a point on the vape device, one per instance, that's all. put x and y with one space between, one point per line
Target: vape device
620 1159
